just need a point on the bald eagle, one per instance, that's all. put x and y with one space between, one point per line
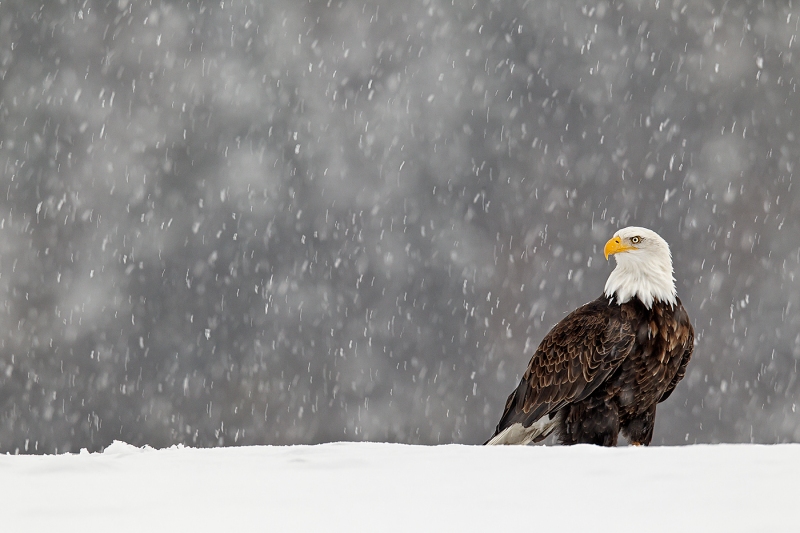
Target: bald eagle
605 367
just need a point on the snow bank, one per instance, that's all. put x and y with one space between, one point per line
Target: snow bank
393 487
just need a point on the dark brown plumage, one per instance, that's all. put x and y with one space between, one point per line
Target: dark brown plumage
601 371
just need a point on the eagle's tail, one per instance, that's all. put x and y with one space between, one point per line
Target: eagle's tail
519 434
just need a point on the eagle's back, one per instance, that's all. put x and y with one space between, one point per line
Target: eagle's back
626 402
647 375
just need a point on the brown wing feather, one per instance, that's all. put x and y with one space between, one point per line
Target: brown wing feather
684 333
573 359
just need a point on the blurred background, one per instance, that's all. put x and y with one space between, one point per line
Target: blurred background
273 222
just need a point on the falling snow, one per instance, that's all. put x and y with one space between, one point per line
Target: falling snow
246 222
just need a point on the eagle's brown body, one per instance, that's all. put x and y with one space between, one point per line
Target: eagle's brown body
600 371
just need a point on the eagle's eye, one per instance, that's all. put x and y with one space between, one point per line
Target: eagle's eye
636 240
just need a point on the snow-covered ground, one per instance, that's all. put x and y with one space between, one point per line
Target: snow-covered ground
392 487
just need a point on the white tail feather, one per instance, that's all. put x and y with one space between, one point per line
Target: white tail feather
518 434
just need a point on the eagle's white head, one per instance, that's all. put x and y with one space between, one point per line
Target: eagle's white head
644 267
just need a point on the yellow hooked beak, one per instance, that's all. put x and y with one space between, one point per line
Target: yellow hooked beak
615 246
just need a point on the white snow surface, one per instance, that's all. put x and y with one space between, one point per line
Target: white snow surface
393 487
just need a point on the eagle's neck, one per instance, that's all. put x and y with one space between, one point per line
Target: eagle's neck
644 276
